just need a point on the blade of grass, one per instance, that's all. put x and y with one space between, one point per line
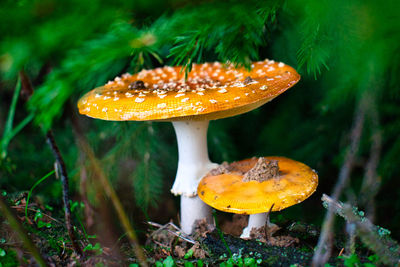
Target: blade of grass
10 118
221 235
109 190
31 190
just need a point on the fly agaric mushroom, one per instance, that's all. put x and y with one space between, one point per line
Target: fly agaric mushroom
211 91
253 186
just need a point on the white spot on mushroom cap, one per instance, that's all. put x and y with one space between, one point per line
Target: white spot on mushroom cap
106 97
280 65
185 99
223 90
213 101
162 105
264 87
126 116
139 100
180 94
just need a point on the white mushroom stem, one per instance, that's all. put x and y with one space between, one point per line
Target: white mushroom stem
193 164
255 221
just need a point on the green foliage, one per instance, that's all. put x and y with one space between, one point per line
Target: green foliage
354 261
237 259
168 262
8 258
95 248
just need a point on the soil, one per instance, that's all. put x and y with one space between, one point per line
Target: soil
275 246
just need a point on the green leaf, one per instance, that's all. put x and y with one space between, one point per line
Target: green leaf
188 254
169 262
2 252
249 261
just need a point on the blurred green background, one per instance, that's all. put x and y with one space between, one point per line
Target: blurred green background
347 52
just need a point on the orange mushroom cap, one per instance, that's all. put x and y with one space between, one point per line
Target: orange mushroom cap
211 91
228 192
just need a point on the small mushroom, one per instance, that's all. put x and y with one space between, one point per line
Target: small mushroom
211 91
253 186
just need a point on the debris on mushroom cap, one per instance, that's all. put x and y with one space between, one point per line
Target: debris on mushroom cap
263 170
228 192
211 91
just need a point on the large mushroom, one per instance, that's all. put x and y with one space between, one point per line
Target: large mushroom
253 186
211 91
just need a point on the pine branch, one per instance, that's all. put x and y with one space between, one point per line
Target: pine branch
208 29
105 57
375 237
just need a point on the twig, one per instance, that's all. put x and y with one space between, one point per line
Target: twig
65 188
44 214
374 237
17 227
83 190
108 189
371 181
178 233
324 246
28 89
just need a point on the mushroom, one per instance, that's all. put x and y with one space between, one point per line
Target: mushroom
253 186
211 91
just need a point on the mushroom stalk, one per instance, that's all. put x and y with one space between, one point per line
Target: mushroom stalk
255 221
193 164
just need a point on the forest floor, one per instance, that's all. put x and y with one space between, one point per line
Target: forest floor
290 244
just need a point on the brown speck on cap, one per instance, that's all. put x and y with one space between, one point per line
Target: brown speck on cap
137 85
248 80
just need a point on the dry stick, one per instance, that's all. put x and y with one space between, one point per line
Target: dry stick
27 90
386 248
371 181
83 190
82 142
324 246
17 227
65 188
178 232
